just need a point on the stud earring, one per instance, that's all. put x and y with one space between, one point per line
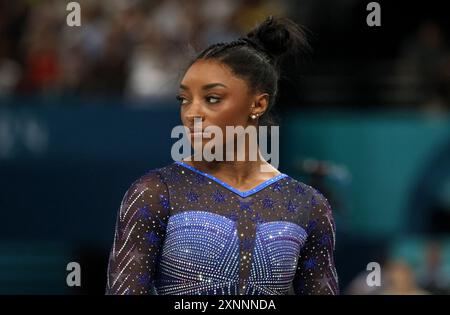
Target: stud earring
253 116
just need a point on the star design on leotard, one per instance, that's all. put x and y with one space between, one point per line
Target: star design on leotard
268 203
144 212
311 225
257 219
144 279
277 187
245 205
299 189
164 201
233 216
310 263
152 238
325 240
192 196
199 179
218 197
174 176
162 224
291 207
313 201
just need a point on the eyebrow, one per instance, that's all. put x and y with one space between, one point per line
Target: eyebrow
205 87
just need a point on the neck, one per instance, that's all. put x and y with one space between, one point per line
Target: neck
238 172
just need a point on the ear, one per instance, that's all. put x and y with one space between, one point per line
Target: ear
260 104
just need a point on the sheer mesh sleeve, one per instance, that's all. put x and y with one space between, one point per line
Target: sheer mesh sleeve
139 234
316 273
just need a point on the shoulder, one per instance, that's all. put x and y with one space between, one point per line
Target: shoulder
152 179
149 186
309 194
146 196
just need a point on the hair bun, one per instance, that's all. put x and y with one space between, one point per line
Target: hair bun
279 36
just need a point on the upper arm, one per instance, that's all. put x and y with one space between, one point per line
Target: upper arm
316 272
139 233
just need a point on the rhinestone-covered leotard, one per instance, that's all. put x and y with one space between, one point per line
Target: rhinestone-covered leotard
180 231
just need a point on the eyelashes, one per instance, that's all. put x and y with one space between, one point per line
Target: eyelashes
216 99
180 99
213 97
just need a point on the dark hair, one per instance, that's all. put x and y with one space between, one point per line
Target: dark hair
258 56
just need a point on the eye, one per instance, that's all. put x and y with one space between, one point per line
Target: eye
181 99
212 99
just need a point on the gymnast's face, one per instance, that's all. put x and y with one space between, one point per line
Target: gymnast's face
211 91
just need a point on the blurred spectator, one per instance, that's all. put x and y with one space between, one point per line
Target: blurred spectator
433 276
399 279
443 81
358 286
423 62
134 47
139 48
9 70
108 74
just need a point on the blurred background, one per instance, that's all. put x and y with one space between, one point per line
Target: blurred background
86 110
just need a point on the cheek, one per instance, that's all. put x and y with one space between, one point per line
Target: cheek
183 117
234 114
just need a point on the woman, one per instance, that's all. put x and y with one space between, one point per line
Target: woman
226 227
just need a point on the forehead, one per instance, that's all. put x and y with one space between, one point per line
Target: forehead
203 72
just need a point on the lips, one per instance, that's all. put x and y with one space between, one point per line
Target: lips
200 132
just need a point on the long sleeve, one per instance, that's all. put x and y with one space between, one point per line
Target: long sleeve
316 272
139 234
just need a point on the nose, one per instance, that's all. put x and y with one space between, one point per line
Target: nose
195 122
195 117
194 114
